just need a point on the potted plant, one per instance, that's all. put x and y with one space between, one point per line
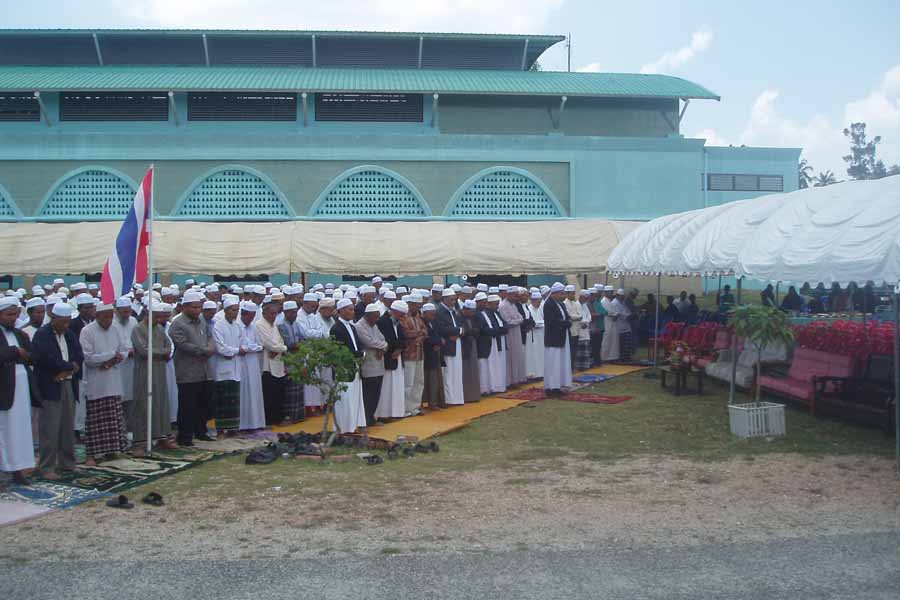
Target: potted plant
310 364
760 326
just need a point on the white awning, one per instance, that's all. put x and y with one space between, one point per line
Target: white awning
839 233
387 248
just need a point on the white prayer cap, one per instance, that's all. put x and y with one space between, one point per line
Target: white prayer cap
388 285
53 299
8 301
167 291
318 286
235 287
189 282
37 291
493 290
212 289
329 302
503 287
608 288
415 298
63 291
60 309
429 307
34 302
174 286
296 289
203 284
157 286
533 289
138 286
267 284
248 306
123 302
344 303
58 281
570 288
456 287
557 287
192 296
402 289
493 298
92 286
620 292
535 295
351 293
400 306
320 296
290 305
344 287
480 296
229 301
310 297
82 299
377 280
104 307
584 293
267 300
276 294
512 289
482 287
466 289
470 304
372 308
329 292
389 295
338 295
209 304
78 286
405 297
447 293
260 290
437 288
545 289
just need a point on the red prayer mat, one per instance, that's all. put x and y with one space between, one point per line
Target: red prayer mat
537 394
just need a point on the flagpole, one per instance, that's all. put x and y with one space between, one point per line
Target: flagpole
150 317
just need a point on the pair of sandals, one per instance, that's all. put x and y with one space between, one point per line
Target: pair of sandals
121 501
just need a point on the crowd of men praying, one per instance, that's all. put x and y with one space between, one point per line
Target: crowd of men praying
73 368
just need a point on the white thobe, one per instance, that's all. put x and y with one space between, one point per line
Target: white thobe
227 339
497 362
557 364
171 381
349 410
609 349
100 346
126 368
253 410
453 376
392 399
16 443
484 369
313 327
534 351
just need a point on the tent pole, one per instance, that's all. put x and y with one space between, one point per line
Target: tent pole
897 374
734 353
656 321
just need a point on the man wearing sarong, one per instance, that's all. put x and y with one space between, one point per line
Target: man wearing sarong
292 334
227 339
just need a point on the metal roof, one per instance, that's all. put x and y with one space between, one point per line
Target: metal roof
338 33
294 79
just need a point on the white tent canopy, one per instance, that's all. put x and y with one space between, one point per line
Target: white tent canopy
365 248
839 233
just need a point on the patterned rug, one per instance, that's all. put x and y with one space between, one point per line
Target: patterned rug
589 379
537 394
51 495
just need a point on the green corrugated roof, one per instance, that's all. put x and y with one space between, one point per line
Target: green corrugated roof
334 32
293 79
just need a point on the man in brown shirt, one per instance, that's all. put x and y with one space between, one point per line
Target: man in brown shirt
413 369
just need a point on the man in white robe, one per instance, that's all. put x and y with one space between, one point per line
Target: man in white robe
226 334
623 327
609 350
349 410
124 324
312 326
392 399
16 442
253 412
451 331
497 359
557 357
534 354
515 350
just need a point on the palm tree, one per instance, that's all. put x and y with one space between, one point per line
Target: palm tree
824 178
804 171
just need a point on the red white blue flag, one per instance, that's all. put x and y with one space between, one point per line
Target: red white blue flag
127 263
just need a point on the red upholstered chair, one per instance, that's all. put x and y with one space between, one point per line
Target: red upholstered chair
721 341
808 366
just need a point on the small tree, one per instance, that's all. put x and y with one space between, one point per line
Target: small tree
804 173
825 178
861 162
761 326
308 364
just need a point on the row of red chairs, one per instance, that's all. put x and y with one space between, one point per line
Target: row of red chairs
702 339
847 338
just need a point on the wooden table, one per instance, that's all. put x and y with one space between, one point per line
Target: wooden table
681 379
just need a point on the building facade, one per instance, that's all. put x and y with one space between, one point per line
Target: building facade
360 126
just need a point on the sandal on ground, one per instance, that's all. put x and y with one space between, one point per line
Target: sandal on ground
120 501
422 448
153 499
374 459
433 446
393 452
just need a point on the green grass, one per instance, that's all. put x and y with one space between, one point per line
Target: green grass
537 437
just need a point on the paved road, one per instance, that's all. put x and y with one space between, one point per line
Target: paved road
864 566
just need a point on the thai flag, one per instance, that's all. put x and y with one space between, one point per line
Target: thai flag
127 263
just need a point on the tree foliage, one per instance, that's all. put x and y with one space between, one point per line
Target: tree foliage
761 326
804 173
824 178
862 162
309 365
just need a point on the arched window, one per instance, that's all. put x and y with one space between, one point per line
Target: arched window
8 210
370 192
504 193
233 193
90 193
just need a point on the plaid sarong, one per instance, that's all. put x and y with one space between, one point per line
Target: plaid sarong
293 401
105 425
228 405
626 345
583 357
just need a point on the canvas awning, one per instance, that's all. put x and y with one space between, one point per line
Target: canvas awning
387 248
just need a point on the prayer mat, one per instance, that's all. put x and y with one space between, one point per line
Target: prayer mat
50 495
589 378
12 512
228 445
186 454
86 478
146 468
537 394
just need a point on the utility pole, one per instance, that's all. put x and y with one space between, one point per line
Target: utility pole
569 52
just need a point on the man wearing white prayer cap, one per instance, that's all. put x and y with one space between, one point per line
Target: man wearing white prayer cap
58 283
516 322
226 334
292 334
557 356
482 287
87 309
252 407
610 349
392 402
450 326
387 298
16 435
57 357
35 310
78 287
93 289
38 291
124 324
534 347
436 291
311 326
372 369
349 409
274 373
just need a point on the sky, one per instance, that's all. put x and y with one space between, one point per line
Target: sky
790 73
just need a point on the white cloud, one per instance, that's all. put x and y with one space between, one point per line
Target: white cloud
593 67
712 137
499 16
700 42
881 108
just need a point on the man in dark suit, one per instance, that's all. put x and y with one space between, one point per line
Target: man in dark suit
433 391
17 394
57 358
392 401
557 359
450 326
349 410
87 312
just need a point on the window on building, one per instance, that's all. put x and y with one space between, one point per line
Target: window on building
717 182
242 107
19 107
393 108
113 106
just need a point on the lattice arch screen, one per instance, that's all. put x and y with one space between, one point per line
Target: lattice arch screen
7 212
502 194
371 193
89 194
233 194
